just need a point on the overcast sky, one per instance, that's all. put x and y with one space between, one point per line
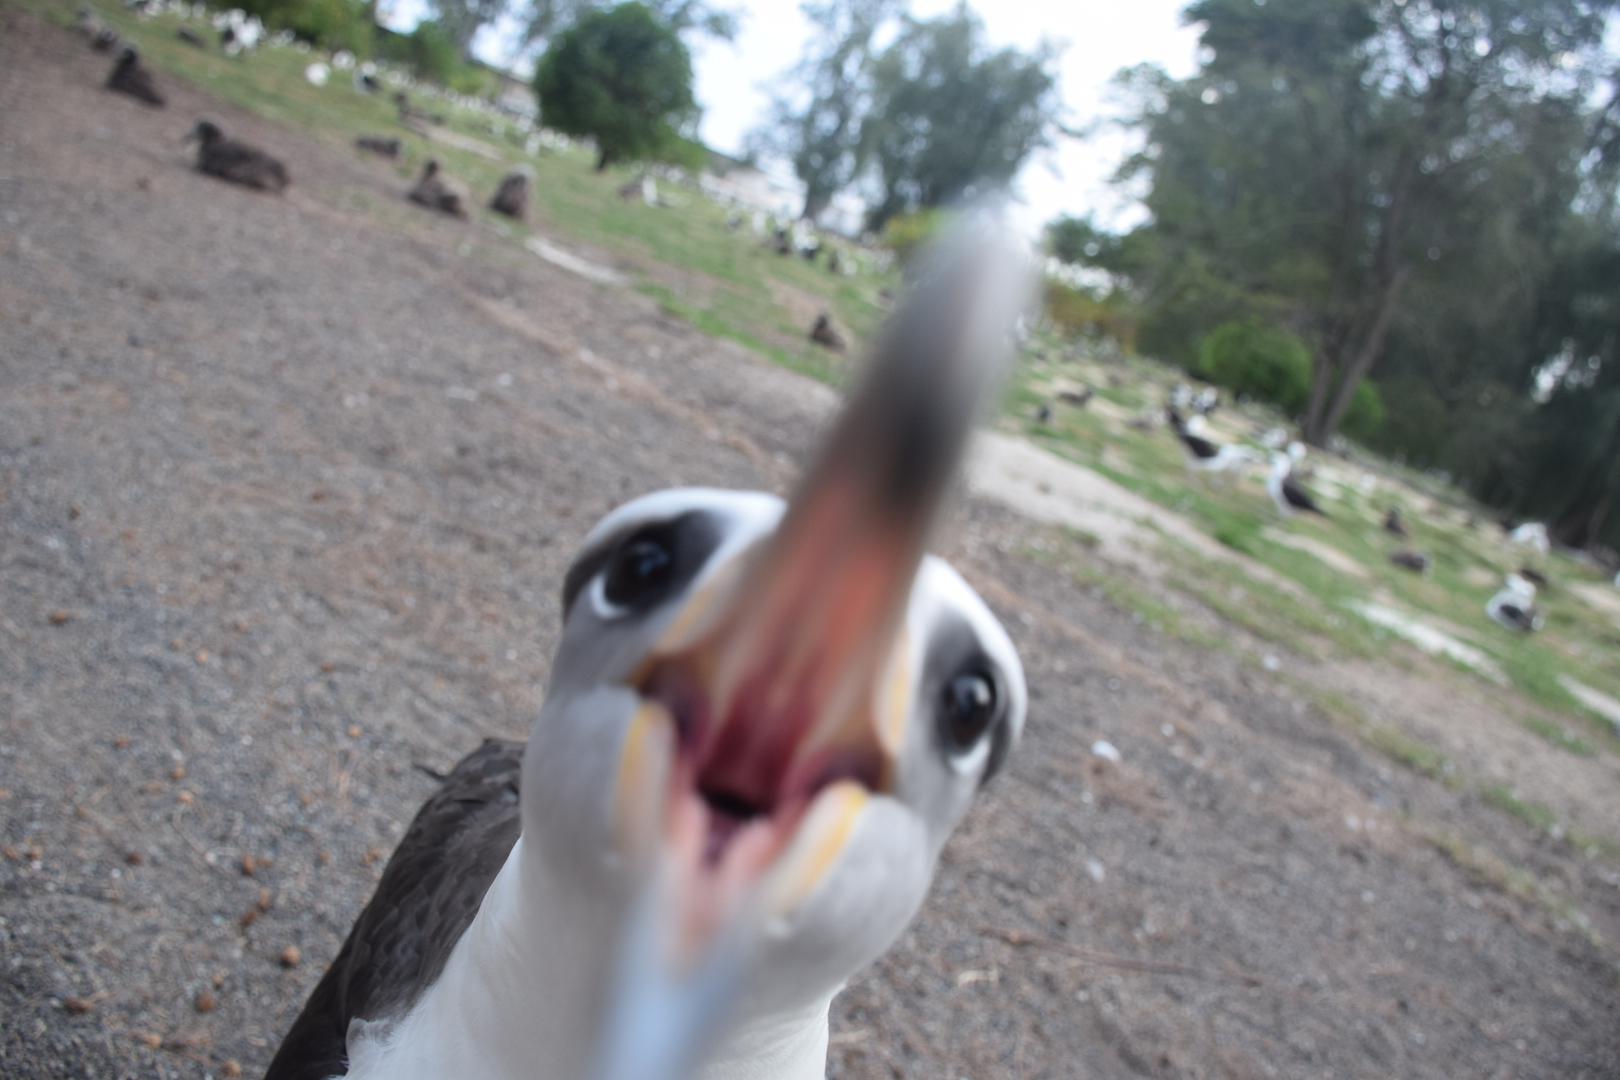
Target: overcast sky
734 80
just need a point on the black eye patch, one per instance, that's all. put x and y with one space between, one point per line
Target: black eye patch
969 695
646 563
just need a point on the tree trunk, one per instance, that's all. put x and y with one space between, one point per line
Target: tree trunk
1370 348
603 161
814 204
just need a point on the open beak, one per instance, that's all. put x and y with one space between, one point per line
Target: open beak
780 691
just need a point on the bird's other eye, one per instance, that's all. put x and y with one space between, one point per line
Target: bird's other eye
642 568
968 708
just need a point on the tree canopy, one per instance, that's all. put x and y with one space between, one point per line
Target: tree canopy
948 118
622 78
818 125
1398 184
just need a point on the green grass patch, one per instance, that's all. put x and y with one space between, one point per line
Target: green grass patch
1490 869
1560 736
1507 800
1416 755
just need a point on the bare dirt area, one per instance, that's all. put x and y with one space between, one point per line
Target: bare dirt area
287 487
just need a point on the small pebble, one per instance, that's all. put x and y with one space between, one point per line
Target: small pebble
60 616
134 858
205 1002
354 731
121 741
187 797
290 956
264 899
1105 749
77 1004
202 656
231 1068
249 864
147 1039
250 916
177 773
10 852
327 665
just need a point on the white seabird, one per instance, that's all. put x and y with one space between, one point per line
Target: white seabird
1289 495
762 725
1206 455
1514 606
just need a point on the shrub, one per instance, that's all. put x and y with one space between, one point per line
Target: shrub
907 234
331 24
1250 357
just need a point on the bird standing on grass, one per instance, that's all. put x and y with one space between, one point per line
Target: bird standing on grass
1515 605
128 76
235 161
1289 495
762 725
1206 455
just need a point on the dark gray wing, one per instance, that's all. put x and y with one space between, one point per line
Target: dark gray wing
1201 447
426 899
1298 497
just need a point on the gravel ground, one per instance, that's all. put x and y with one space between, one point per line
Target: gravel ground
287 486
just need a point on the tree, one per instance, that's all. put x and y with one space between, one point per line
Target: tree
819 128
947 120
622 78
462 19
543 19
1366 174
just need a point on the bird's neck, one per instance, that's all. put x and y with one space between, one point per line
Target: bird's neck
519 999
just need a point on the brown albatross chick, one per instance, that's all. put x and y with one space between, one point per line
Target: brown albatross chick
512 197
129 77
236 162
436 191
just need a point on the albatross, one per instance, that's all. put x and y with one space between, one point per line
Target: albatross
1288 493
764 720
1206 455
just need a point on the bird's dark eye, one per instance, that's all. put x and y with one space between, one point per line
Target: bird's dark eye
642 568
968 708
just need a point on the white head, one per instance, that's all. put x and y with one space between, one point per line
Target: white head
769 717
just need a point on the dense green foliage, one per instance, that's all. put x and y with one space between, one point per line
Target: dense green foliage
544 19
1249 357
331 24
1399 185
624 79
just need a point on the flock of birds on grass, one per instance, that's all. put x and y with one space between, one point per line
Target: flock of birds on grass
240 163
1186 411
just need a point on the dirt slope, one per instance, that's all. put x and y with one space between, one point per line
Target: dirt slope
285 499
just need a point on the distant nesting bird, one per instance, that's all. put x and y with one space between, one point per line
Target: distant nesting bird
191 37
512 197
823 334
436 191
1205 455
1515 605
1533 534
105 41
1206 401
1078 398
316 73
377 144
1287 492
1043 413
835 264
1394 524
129 77
237 162
1411 560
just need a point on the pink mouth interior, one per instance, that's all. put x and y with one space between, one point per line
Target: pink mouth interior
744 781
